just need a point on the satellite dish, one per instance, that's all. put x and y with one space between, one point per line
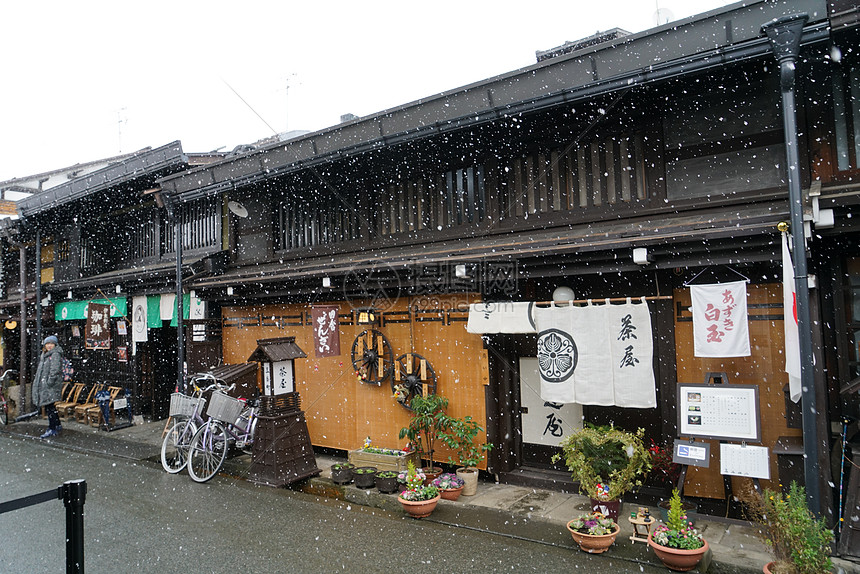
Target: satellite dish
237 208
663 16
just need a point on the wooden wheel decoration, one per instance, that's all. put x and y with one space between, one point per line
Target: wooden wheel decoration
372 357
413 375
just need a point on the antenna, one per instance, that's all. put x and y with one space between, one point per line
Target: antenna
662 15
120 120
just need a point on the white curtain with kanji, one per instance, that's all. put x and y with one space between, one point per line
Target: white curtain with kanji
720 322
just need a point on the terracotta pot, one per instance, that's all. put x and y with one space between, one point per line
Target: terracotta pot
594 543
469 476
419 508
675 559
608 508
767 568
451 493
431 474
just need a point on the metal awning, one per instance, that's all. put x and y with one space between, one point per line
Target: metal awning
276 350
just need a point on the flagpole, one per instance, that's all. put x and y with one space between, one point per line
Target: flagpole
785 34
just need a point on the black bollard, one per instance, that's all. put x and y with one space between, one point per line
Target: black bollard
74 496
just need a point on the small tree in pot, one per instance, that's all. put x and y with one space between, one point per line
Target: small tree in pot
429 420
460 437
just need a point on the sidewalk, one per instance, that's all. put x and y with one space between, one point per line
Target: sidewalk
506 510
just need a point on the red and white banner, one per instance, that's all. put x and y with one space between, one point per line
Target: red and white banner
720 327
326 330
792 342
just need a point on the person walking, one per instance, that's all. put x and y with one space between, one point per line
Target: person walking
48 384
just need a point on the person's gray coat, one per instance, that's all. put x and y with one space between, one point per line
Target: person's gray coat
48 383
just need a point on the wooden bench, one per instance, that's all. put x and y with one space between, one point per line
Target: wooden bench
71 398
81 409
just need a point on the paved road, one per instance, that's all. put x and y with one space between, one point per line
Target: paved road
140 519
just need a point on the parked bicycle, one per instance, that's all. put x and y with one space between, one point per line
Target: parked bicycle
231 421
186 411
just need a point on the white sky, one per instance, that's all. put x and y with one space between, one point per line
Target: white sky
91 79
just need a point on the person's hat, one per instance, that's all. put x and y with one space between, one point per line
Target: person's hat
50 339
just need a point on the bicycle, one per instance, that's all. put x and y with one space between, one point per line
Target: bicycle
231 420
187 412
4 407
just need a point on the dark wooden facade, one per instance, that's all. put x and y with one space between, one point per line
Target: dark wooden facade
670 140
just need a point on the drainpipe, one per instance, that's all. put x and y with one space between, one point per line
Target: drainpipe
22 326
174 214
38 286
784 34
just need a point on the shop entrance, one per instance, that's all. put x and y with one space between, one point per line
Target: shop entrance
158 371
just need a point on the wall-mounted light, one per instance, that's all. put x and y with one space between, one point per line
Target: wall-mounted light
118 289
640 256
562 295
326 282
366 316
461 271
229 290
69 295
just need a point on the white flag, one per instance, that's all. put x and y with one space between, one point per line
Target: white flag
792 342
139 332
720 323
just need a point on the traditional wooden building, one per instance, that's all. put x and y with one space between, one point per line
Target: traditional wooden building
622 168
625 166
101 237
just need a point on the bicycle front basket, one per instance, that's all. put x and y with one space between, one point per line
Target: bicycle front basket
183 405
224 408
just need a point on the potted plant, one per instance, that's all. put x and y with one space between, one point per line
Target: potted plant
419 500
799 542
450 485
607 462
460 437
428 420
364 477
676 543
382 458
594 533
341 472
386 481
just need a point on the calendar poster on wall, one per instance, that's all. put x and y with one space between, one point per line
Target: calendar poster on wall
719 412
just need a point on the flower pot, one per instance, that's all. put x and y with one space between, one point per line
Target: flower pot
594 543
469 475
687 507
386 485
676 559
451 493
430 474
341 475
767 568
608 508
364 479
419 508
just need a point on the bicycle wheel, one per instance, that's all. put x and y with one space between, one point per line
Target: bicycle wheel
174 447
208 451
4 412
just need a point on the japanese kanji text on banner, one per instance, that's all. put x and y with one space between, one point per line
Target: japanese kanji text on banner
326 330
98 326
720 327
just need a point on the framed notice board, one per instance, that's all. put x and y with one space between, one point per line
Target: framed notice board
729 412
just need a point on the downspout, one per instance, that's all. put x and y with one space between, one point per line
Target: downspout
38 285
784 34
174 214
22 326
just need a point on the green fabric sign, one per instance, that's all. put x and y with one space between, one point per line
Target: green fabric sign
153 311
77 310
186 309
